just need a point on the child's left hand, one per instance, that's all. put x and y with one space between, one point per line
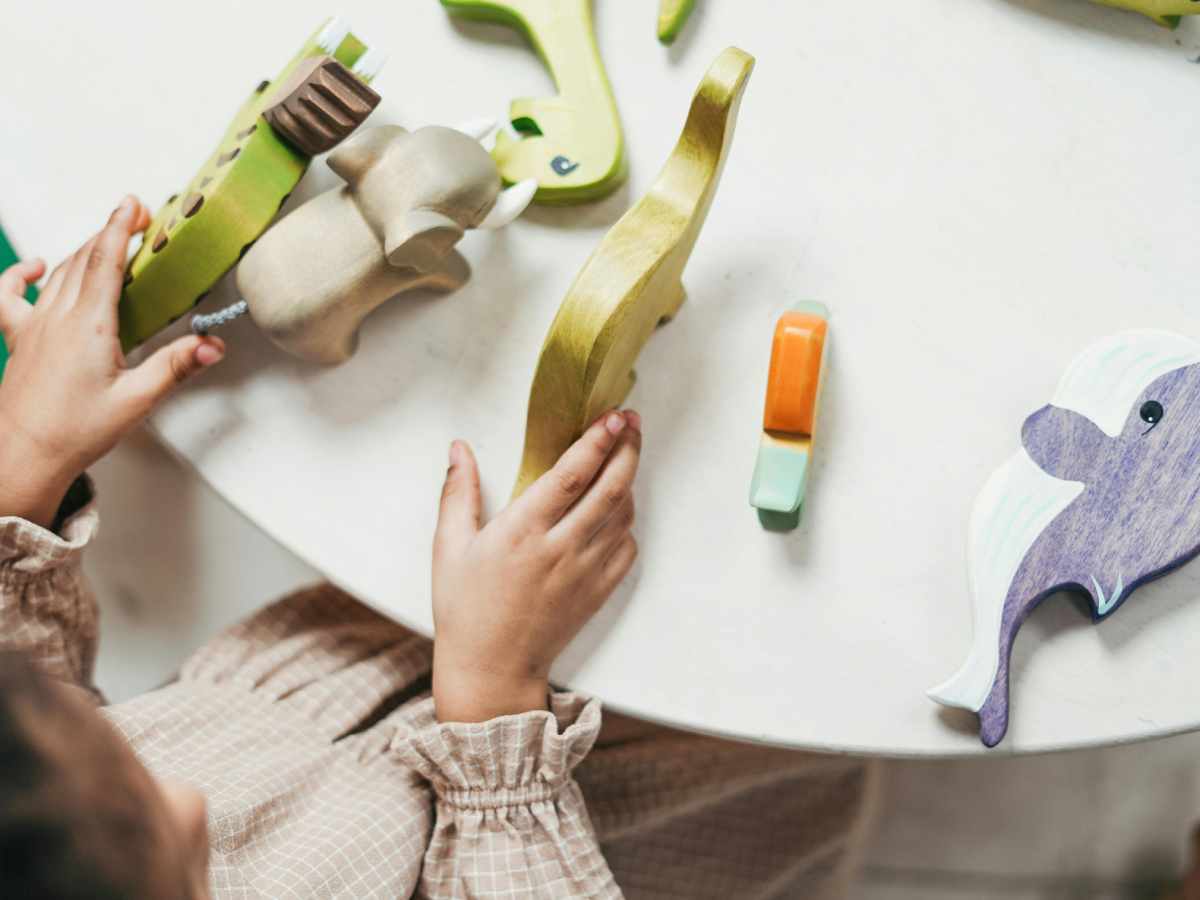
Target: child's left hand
68 395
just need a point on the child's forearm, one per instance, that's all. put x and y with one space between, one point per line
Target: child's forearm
468 694
32 483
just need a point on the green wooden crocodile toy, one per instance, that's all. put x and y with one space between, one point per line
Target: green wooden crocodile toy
204 229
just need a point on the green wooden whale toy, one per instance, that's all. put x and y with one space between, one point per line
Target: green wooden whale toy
572 144
204 229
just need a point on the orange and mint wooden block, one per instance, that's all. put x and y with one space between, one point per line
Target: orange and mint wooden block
789 418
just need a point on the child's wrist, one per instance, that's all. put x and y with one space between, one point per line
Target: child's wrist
469 695
31 485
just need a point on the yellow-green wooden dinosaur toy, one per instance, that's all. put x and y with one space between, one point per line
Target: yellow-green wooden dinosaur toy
632 282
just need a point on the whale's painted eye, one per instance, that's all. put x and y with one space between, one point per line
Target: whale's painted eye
1151 413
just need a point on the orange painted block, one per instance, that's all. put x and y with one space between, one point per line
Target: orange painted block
795 376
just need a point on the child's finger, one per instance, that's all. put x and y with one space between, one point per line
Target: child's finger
610 491
14 311
617 566
17 277
53 284
145 387
462 503
104 265
73 275
612 532
556 491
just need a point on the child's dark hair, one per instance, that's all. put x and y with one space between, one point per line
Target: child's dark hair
67 832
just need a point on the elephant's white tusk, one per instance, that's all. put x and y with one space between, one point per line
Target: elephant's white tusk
510 204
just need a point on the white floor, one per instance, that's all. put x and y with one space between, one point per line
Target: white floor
174 563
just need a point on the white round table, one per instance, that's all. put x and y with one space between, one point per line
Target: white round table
976 189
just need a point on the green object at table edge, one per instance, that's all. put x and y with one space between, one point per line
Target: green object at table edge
8 256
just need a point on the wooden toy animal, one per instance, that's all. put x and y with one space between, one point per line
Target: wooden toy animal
1103 496
672 16
1164 12
631 283
409 197
571 144
203 230
789 417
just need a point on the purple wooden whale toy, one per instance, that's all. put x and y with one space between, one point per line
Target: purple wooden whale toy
1103 497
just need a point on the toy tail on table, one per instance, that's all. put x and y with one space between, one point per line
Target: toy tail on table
1164 12
672 16
8 256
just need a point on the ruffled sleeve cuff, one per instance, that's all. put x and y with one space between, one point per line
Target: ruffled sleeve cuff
506 762
29 551
46 609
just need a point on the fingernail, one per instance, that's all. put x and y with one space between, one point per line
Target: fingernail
615 423
455 453
124 208
634 420
209 354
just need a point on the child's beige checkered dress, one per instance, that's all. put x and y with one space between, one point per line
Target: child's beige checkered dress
310 729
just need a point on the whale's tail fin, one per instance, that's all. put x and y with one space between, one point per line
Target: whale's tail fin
993 716
970 686
981 686
1015 505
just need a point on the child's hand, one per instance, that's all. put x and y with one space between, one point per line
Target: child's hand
507 598
67 395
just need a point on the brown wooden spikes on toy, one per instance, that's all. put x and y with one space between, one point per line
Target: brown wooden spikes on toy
320 105
631 283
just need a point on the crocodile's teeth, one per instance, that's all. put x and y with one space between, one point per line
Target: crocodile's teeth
333 34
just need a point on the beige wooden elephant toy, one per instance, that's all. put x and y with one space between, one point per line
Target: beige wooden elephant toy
409 197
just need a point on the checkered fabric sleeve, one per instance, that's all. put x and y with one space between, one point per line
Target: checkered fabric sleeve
510 819
46 608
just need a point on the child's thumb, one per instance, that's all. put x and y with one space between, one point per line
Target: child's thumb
167 368
462 505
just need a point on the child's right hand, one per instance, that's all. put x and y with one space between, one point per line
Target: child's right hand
508 597
68 395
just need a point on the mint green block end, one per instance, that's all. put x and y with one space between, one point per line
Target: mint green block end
813 307
777 521
780 476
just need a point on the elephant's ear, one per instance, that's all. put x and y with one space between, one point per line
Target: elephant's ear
421 239
355 156
1064 443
